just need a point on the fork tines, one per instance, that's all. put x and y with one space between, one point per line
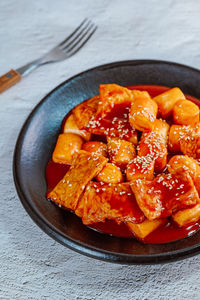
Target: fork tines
78 37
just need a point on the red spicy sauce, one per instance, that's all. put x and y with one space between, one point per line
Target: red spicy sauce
164 234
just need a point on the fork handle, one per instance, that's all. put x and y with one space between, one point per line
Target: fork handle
9 79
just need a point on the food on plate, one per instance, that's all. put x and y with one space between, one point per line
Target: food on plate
141 167
120 152
167 100
109 201
133 160
143 113
95 147
143 229
185 139
110 174
185 112
70 126
67 145
85 167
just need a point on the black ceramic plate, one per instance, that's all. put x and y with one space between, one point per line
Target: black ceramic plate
36 143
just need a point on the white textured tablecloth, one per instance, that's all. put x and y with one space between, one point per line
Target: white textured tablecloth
32 265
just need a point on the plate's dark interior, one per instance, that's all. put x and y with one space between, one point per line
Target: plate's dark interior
37 140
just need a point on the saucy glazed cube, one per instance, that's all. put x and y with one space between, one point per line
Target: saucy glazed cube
95 147
85 167
140 168
167 193
120 152
145 228
111 95
183 164
190 142
70 126
167 100
185 112
162 128
153 145
110 174
185 139
143 113
67 145
187 216
175 134
109 201
85 111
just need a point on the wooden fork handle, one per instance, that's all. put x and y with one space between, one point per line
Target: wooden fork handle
9 79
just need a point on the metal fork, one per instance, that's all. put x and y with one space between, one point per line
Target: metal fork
71 45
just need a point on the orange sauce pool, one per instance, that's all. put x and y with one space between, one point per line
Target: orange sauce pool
164 234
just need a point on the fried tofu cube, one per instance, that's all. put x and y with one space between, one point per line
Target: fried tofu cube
85 167
185 112
187 216
190 142
70 126
85 111
145 228
110 174
143 113
149 202
167 100
140 168
120 152
162 128
110 95
153 145
167 193
95 147
67 145
185 139
109 202
181 164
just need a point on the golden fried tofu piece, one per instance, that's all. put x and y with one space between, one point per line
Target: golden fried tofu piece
95 147
162 128
109 202
67 145
111 95
141 167
180 164
190 142
70 126
167 100
143 113
85 111
150 202
116 128
85 167
185 139
110 174
145 228
120 152
187 216
167 193
153 145
185 112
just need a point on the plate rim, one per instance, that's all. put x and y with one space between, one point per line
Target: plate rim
72 244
